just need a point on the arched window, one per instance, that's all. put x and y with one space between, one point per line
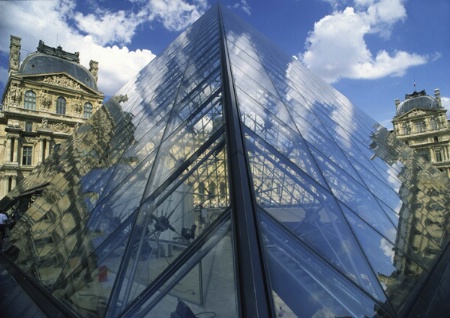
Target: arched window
61 105
30 100
87 110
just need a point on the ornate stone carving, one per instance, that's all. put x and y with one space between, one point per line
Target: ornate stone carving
61 80
14 93
120 98
93 68
14 53
44 123
77 107
59 52
13 123
46 100
60 127
30 140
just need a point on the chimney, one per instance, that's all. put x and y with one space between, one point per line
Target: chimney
437 95
14 53
397 102
93 68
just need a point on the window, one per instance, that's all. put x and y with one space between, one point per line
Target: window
212 190
223 190
201 188
438 155
405 129
30 100
27 155
28 126
419 126
424 153
61 105
87 110
434 123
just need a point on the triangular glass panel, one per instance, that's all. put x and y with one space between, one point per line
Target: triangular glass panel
92 274
305 286
171 218
311 214
204 284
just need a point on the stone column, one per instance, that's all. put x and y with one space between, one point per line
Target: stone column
47 148
8 149
41 151
3 186
15 150
14 182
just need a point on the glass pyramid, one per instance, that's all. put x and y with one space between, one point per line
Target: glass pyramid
227 180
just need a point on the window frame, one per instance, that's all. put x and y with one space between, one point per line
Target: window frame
438 155
28 126
87 110
27 155
29 100
61 105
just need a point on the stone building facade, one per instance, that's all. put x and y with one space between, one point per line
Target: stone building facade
46 97
421 122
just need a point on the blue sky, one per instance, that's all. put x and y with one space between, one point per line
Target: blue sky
373 51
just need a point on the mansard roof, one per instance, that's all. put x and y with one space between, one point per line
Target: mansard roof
54 60
417 100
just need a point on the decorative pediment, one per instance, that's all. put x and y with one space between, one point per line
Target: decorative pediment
416 113
63 80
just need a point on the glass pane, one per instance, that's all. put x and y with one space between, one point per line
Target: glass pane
88 288
171 219
311 214
306 286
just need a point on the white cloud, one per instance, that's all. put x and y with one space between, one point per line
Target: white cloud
336 48
176 15
109 27
445 102
242 5
50 22
99 35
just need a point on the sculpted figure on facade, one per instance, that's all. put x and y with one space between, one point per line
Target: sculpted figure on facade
93 68
46 100
77 107
44 123
14 93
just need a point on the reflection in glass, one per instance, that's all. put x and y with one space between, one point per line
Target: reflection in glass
140 209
